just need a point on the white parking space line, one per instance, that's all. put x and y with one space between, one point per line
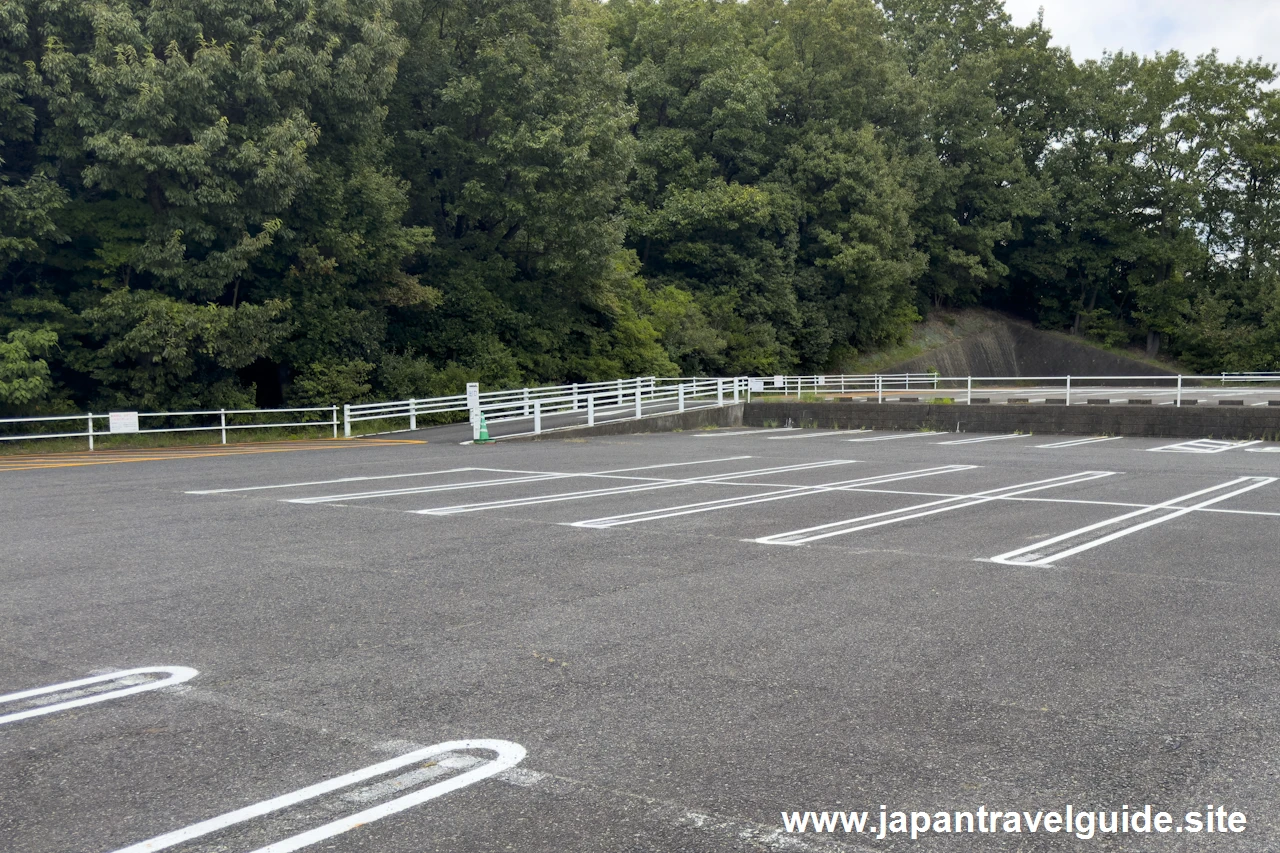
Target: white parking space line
1034 555
128 677
423 490
827 434
1076 442
895 516
330 482
1203 445
437 473
624 490
508 755
443 767
1264 450
782 494
981 439
719 434
527 477
670 465
896 435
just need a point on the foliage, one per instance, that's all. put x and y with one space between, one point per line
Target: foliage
318 201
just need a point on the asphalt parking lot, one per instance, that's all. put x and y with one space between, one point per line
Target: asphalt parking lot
640 643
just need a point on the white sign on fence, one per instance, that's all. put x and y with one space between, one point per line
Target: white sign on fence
124 421
755 385
822 380
779 381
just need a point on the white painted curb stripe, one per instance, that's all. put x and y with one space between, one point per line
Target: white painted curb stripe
1039 559
508 755
894 516
177 675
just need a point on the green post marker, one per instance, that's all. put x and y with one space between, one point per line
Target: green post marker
484 433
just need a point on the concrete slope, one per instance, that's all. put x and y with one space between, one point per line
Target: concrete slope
1012 348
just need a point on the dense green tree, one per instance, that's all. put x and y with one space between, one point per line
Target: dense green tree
318 201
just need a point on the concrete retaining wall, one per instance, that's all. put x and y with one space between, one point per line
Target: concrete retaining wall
1162 421
729 415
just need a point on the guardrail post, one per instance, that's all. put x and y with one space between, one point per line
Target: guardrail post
413 414
223 413
475 424
719 392
737 380
91 431
575 396
968 390
1068 400
537 417
1178 404
879 388
680 398
335 421
591 410
346 420
637 400
526 402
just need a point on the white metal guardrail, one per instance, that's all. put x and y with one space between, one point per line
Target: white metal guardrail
589 402
841 383
131 423
894 386
620 399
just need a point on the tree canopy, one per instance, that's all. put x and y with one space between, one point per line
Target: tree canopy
240 202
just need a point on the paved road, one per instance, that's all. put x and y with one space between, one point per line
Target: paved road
687 634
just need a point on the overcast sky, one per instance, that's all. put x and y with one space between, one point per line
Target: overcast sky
1247 28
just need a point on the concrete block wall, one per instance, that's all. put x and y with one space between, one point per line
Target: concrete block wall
1161 421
